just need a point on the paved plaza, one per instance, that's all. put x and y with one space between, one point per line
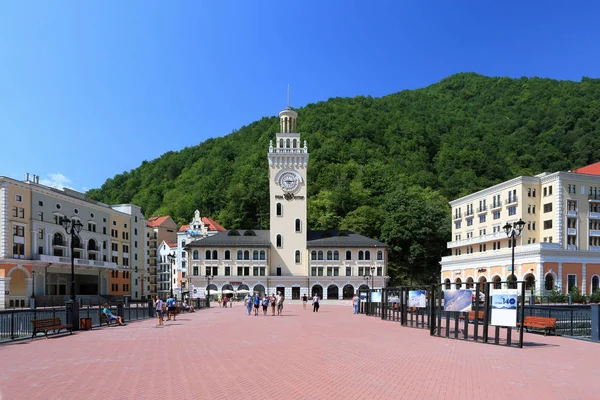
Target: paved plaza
333 354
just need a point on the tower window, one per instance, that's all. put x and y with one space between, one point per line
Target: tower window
294 143
287 143
280 142
297 256
279 241
298 225
279 209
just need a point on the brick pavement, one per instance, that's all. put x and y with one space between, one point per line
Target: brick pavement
333 354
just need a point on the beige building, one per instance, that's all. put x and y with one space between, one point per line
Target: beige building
288 257
35 250
560 242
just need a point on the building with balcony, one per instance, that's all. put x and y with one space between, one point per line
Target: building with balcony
35 251
288 257
558 246
158 229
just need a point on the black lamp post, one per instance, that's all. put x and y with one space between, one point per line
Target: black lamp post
33 283
411 260
367 276
209 278
512 231
72 227
171 257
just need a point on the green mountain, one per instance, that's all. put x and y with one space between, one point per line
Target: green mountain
383 167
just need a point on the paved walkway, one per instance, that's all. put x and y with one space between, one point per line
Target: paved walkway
333 354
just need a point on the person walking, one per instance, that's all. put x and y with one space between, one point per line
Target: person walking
248 303
158 306
265 304
256 303
273 300
219 300
315 303
356 303
171 308
225 300
304 301
280 299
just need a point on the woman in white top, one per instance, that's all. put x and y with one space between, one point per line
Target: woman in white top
158 306
316 303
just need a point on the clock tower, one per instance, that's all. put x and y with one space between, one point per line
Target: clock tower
288 160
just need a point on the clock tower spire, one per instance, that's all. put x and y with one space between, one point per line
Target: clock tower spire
288 161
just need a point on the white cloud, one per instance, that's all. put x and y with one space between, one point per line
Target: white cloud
57 181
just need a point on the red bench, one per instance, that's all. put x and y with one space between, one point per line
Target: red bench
49 324
471 316
544 323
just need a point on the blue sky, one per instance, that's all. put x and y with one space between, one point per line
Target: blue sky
91 89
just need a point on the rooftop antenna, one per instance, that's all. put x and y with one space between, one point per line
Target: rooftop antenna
288 97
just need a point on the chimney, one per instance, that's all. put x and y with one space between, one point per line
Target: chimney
37 179
27 177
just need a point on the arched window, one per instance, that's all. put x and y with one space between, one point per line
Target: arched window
240 255
447 283
458 283
329 255
195 255
469 284
320 254
227 255
298 225
263 255
287 143
279 241
336 255
183 254
294 143
279 209
207 255
246 255
297 256
367 255
313 255
361 255
215 255
281 143
348 255
497 284
255 255
549 282
380 255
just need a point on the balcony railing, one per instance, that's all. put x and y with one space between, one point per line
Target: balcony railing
512 200
496 206
481 210
571 247
571 231
571 213
594 232
61 243
78 261
594 248
594 197
469 213
595 215
457 216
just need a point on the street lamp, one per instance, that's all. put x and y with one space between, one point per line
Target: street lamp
171 257
512 231
411 260
209 278
72 227
33 288
367 276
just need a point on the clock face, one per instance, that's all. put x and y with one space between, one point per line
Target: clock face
288 181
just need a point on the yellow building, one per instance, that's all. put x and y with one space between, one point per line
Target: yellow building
559 245
35 250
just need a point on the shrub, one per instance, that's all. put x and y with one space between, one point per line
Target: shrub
595 297
576 295
557 296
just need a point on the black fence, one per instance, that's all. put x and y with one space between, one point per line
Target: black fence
16 323
574 320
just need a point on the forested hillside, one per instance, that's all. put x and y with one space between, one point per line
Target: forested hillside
383 167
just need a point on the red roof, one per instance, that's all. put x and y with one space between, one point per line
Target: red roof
184 228
156 221
212 225
592 169
172 245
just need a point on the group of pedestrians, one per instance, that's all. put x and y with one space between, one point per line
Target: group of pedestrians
257 300
169 308
223 301
315 302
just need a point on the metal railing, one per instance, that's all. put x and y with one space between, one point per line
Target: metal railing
16 324
573 321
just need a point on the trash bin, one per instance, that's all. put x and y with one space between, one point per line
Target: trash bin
85 324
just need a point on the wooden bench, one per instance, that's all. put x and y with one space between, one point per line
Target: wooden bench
49 324
105 320
543 323
471 316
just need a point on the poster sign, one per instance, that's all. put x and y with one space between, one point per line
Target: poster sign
363 296
504 307
417 298
195 293
376 297
458 300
